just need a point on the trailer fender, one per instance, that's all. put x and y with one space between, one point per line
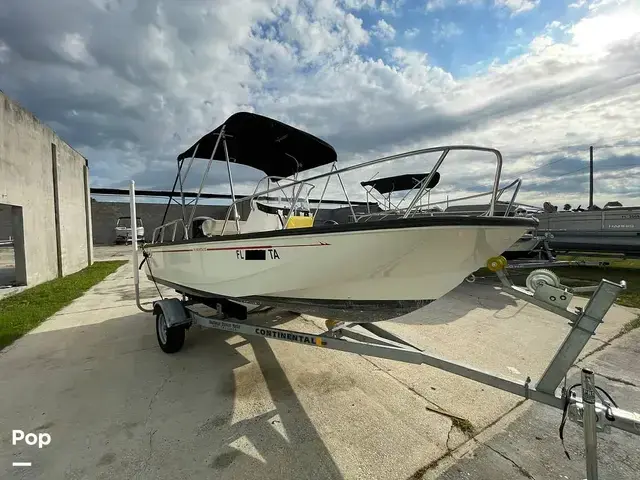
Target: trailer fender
174 312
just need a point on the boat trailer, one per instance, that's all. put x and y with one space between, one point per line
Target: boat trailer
592 410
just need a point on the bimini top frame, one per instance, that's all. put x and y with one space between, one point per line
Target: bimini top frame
280 151
277 149
398 183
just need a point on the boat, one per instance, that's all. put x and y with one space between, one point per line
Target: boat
527 246
613 230
278 257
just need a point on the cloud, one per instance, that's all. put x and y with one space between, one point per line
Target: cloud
434 5
517 6
443 31
132 85
391 7
411 33
359 4
383 31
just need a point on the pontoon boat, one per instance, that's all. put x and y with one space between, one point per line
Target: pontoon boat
609 230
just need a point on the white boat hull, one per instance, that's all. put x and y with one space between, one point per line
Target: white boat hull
361 269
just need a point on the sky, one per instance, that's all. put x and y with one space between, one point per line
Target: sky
131 84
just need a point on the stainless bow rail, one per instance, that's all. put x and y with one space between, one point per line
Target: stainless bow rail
430 210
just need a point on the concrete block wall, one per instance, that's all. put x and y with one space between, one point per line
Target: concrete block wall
75 242
36 169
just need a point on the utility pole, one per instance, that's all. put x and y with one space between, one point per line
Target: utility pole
591 177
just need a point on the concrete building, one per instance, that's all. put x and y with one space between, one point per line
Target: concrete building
44 199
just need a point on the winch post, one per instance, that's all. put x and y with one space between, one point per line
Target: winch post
584 322
589 423
583 329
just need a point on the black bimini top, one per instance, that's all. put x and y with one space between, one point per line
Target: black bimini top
399 183
268 145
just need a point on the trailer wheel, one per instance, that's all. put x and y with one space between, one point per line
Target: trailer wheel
170 339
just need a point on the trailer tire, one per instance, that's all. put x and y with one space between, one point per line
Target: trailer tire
170 339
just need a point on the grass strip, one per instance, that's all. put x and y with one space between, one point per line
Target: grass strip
26 310
574 276
618 269
580 275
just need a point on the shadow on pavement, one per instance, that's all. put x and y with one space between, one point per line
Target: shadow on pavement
146 414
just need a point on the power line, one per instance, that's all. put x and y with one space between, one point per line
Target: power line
546 164
634 164
617 146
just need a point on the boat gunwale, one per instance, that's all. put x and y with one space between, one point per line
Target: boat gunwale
405 223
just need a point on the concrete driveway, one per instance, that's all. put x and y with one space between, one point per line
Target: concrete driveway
225 407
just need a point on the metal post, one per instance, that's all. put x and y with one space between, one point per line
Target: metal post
204 177
591 178
293 204
444 153
589 423
496 183
345 194
134 244
233 195
326 184
513 198
183 180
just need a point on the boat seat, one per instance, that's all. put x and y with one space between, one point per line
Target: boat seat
212 227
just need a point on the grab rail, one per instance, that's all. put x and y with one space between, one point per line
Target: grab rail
517 182
163 227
